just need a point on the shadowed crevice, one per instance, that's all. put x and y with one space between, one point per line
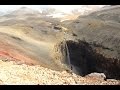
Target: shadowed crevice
85 60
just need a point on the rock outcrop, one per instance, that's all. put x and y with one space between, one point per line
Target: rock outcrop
95 45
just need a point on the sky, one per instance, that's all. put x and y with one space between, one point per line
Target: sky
64 8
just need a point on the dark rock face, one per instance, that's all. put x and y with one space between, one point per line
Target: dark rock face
98 46
85 60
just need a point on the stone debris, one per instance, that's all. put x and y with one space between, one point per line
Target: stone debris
13 74
97 75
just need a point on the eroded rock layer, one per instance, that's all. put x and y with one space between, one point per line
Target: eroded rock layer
98 43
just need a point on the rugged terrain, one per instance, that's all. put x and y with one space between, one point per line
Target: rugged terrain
29 39
95 45
13 74
87 46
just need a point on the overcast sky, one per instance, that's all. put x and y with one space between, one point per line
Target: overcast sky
64 8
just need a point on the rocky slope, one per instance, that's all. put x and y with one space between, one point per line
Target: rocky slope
94 46
13 74
29 40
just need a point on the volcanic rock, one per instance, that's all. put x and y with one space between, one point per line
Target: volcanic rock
95 46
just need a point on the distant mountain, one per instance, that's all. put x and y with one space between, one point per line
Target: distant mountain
25 10
22 12
25 16
50 13
75 12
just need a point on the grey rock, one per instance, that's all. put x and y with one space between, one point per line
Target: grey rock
96 46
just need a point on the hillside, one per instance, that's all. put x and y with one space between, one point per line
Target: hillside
97 37
37 49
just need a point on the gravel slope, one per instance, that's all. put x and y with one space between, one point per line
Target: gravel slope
13 74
